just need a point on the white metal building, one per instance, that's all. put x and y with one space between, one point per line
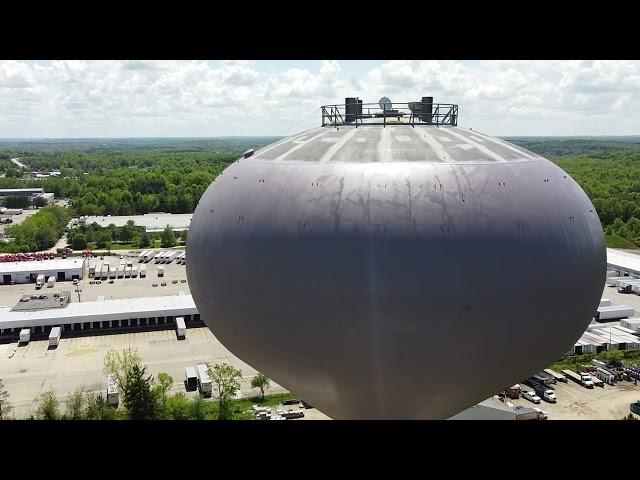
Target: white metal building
21 192
627 264
27 272
152 222
103 314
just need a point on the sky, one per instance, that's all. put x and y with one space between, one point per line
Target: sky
89 99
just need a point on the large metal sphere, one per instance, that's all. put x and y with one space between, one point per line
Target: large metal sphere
395 273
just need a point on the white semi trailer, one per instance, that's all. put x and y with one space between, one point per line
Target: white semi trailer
54 336
614 312
204 381
112 392
181 328
25 335
143 271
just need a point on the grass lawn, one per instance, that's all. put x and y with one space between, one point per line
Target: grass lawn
124 246
627 357
616 241
242 408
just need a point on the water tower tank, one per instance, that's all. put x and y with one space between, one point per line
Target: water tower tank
398 267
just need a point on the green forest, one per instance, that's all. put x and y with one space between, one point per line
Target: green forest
38 232
137 176
120 178
608 170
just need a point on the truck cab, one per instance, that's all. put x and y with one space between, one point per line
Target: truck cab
586 381
531 396
549 396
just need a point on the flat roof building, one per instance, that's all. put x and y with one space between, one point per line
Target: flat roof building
20 192
152 222
124 312
27 272
624 262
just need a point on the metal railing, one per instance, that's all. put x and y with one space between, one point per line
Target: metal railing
411 113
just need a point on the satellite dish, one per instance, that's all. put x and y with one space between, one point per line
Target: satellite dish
385 104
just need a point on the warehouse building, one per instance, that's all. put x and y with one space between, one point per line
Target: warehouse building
601 337
27 272
20 192
152 222
623 264
102 315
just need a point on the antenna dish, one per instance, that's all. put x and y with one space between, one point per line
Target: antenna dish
385 104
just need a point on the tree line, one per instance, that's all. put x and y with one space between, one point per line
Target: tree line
612 182
96 237
40 231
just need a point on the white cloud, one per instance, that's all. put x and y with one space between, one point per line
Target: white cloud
196 98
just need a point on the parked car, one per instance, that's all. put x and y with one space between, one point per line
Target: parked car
164 284
531 396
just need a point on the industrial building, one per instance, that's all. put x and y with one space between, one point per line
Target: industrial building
494 409
27 272
623 263
102 315
21 192
47 196
152 222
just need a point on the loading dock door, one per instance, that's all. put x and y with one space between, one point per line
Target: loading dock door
61 276
6 279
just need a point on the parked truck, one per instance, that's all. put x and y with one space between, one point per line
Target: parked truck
559 377
143 271
544 378
39 281
191 379
594 378
161 271
181 328
112 392
204 381
614 312
54 336
25 335
545 393
584 380
51 281
606 376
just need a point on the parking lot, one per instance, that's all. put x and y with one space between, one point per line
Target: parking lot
27 371
120 288
576 402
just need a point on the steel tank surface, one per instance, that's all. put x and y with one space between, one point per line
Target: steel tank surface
396 272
